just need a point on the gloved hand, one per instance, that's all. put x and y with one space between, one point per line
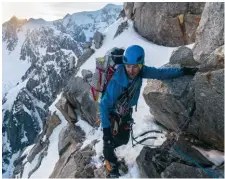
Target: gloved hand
189 71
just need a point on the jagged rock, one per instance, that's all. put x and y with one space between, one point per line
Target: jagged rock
68 135
75 163
214 61
87 75
145 164
66 110
183 56
83 58
210 32
87 172
208 122
170 23
170 101
52 122
128 8
178 170
100 172
78 93
122 14
121 28
65 166
98 37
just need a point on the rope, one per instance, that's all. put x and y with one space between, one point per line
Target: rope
208 172
140 135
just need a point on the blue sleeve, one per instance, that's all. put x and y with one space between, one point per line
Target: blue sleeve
161 73
108 101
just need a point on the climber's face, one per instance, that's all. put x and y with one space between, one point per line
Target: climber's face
132 70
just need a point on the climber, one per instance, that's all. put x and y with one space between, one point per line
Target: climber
121 95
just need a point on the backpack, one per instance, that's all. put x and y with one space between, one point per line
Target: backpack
105 68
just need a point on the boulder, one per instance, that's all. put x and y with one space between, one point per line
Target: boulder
214 61
167 23
68 135
170 101
87 75
98 37
178 170
208 122
78 93
67 110
75 163
145 164
210 32
65 166
100 172
52 122
183 56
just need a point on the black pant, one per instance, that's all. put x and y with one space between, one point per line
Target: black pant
121 138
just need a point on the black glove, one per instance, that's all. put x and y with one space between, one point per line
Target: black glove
189 71
117 55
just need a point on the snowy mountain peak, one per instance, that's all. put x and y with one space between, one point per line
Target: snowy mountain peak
15 20
110 5
37 21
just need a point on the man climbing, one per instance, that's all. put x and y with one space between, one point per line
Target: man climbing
121 95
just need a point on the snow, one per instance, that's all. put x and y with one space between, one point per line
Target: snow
13 68
155 55
11 96
213 156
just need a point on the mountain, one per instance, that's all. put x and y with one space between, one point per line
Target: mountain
82 25
38 60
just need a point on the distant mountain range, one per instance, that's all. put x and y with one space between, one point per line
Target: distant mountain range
38 59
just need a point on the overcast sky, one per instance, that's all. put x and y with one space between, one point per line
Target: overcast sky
48 11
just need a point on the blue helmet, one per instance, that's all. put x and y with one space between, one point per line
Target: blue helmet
134 54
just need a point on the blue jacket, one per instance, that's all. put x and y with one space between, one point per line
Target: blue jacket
120 81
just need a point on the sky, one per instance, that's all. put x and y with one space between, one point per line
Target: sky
49 10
